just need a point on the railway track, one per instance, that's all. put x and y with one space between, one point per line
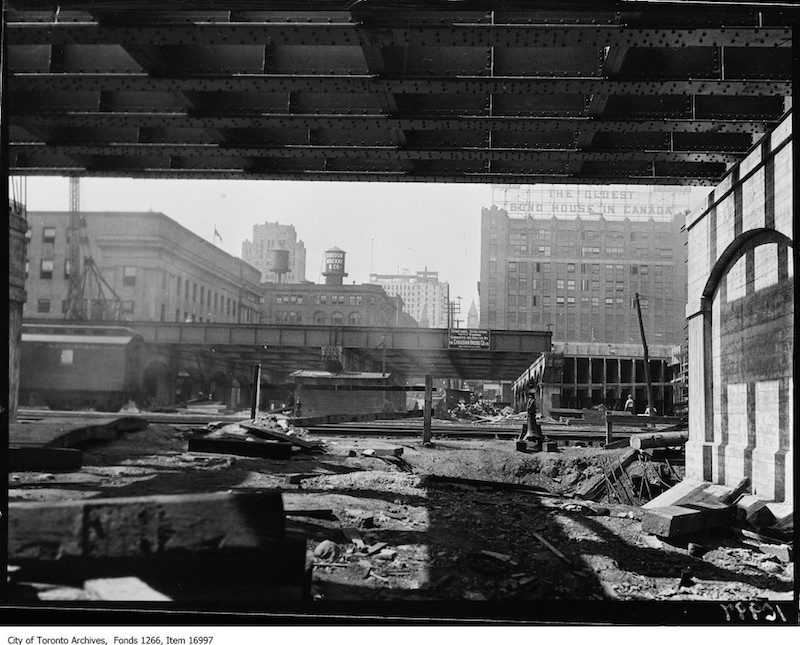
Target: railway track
589 435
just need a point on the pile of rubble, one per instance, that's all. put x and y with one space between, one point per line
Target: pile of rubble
483 412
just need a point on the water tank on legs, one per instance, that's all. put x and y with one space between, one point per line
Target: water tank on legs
334 266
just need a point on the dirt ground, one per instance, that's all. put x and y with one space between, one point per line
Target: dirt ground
442 541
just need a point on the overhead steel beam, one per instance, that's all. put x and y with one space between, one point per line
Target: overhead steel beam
454 34
34 117
369 84
709 177
372 153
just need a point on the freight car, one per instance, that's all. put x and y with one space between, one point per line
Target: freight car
80 366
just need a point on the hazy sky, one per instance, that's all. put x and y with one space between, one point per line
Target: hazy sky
412 225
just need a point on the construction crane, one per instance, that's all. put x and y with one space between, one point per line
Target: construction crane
89 295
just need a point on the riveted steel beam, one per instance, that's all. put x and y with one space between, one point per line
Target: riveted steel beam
708 178
218 153
367 84
361 122
455 34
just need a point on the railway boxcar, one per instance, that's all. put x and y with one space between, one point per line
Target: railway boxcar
80 366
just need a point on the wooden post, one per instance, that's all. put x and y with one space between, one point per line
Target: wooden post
426 418
609 432
256 391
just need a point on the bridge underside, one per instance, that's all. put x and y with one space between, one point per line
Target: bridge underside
466 91
282 349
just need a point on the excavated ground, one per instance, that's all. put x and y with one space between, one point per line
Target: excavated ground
443 541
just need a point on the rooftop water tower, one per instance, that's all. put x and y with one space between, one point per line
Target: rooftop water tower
279 263
334 266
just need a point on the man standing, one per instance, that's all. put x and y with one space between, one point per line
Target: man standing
629 405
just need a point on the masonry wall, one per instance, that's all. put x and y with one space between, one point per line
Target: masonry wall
740 319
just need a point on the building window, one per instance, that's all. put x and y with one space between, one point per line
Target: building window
595 301
571 284
128 276
620 285
546 301
46 270
163 312
319 318
126 307
49 234
644 303
67 269
295 317
178 288
177 315
645 269
634 270
67 356
43 306
533 301
609 302
337 318
202 295
570 268
353 318
559 300
559 284
570 300
584 285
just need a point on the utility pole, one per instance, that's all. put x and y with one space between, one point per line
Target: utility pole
646 356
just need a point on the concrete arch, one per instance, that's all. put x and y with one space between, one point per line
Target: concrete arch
219 386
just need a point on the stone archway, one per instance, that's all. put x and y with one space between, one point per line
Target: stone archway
747 353
158 384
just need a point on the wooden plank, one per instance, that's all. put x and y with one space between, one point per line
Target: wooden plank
133 527
552 548
268 433
681 491
36 459
262 449
674 521
619 443
123 589
659 439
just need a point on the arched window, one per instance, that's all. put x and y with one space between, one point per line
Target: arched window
281 316
337 318
319 318
353 318
295 317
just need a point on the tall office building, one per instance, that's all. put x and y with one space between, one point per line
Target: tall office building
571 258
276 252
425 297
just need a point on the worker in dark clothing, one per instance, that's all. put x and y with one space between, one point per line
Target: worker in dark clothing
629 405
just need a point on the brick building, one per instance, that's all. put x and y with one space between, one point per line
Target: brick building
160 270
571 259
260 252
740 315
333 304
425 297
